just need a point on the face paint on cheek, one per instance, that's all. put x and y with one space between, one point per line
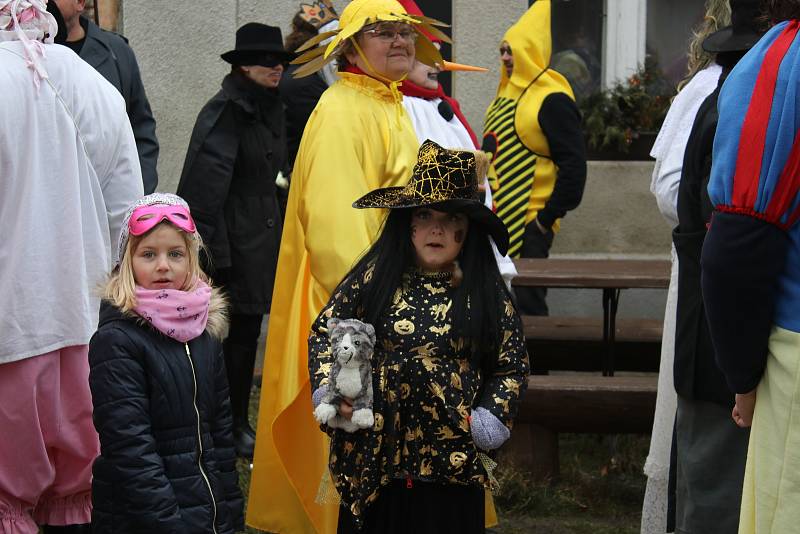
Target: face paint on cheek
459 236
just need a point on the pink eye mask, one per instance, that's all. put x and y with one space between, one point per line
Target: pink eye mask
146 217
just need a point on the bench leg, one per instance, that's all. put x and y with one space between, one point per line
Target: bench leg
535 449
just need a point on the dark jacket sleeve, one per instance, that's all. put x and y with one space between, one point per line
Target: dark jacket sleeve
222 434
502 390
139 112
129 462
208 169
144 128
561 123
741 261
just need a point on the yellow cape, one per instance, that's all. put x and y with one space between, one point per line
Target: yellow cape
353 143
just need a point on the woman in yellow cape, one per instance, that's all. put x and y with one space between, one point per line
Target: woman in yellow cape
357 139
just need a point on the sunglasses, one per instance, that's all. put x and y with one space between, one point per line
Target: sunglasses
143 219
271 61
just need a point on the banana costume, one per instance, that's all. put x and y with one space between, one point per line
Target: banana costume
523 173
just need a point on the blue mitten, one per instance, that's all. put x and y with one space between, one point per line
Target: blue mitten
318 394
488 432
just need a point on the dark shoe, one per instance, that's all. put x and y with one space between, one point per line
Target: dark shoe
239 362
243 442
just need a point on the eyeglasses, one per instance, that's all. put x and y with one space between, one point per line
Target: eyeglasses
388 35
505 50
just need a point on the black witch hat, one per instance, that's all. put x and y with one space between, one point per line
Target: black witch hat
743 32
444 180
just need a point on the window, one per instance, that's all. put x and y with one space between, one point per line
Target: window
669 32
577 30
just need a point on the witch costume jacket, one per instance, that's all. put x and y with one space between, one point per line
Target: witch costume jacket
424 388
533 128
237 148
161 409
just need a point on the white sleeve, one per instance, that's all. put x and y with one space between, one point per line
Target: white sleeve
666 180
122 182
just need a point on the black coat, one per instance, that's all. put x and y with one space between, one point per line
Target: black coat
151 404
697 375
237 148
111 56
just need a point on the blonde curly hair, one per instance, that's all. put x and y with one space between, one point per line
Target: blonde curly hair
718 15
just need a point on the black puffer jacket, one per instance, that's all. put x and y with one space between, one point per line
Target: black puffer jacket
162 411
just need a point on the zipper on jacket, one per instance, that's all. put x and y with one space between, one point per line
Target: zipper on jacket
200 441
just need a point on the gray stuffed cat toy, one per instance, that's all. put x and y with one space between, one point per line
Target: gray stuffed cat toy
352 344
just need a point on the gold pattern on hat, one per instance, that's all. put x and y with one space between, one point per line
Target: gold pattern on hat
439 175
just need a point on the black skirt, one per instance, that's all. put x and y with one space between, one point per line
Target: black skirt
422 508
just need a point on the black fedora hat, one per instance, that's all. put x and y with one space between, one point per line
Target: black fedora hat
444 180
255 44
742 34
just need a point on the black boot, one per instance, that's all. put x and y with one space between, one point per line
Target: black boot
240 362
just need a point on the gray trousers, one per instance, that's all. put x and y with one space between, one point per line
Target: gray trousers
711 456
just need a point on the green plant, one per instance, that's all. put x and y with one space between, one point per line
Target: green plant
614 117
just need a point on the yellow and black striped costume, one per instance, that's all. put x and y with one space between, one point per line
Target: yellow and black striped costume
523 174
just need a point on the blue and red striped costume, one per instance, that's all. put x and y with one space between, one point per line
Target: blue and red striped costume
751 256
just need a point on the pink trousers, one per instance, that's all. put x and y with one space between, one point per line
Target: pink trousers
48 441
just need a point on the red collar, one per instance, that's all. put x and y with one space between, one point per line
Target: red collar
409 88
352 69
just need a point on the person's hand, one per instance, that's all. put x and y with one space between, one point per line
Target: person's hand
743 409
346 408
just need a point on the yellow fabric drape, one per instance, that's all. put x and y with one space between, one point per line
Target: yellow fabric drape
353 143
523 155
771 490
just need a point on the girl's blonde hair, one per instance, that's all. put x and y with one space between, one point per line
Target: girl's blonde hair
120 290
718 15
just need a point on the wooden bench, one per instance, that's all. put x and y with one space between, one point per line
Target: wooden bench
577 403
577 344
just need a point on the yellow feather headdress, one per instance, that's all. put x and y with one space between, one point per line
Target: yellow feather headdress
357 15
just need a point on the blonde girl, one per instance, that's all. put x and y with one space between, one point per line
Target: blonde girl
158 384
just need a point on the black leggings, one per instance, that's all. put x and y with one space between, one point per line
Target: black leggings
244 330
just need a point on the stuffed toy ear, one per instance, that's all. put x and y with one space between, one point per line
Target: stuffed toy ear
333 322
370 331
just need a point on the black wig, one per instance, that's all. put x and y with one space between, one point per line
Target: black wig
478 302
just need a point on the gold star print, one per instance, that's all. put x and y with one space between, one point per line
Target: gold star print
430 365
445 432
440 330
431 410
434 290
455 380
511 385
440 310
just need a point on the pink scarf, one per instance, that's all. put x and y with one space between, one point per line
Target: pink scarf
181 315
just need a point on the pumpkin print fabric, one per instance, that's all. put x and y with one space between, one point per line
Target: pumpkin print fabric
424 387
